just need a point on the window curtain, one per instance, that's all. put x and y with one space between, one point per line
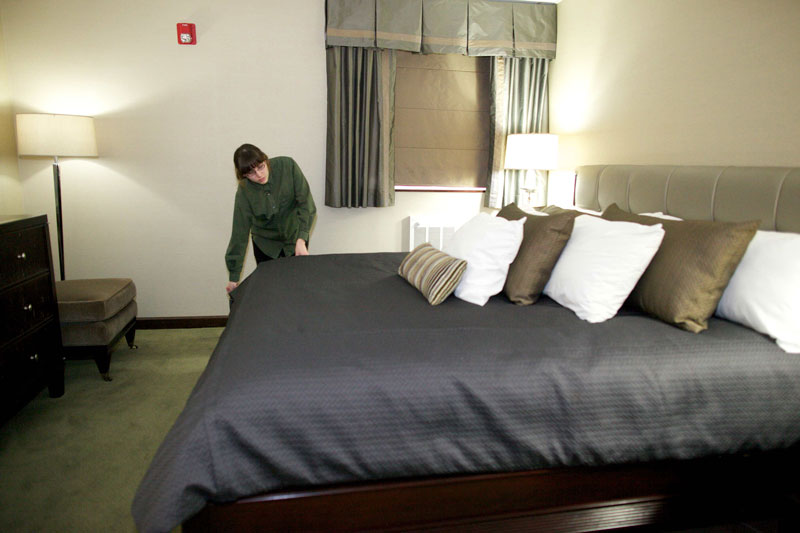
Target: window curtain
360 151
360 166
444 27
519 105
491 28
470 27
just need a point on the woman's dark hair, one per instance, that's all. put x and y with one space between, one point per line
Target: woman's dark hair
246 158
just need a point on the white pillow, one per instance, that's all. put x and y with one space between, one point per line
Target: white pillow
488 244
601 264
764 292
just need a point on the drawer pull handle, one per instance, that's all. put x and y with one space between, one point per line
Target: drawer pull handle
22 256
28 307
35 358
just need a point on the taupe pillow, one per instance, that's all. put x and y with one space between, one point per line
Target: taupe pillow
691 269
434 273
543 240
556 210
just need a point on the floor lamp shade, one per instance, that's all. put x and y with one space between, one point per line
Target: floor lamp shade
56 135
53 136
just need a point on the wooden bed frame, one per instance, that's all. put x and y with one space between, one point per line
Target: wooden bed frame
664 495
655 496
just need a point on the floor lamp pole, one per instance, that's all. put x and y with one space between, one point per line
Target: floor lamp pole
57 187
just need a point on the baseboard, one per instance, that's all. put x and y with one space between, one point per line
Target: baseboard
181 322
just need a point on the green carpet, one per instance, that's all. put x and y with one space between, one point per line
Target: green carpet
73 463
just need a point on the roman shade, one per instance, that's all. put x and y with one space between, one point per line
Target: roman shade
441 124
470 27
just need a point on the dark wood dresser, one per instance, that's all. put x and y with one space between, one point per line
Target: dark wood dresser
30 335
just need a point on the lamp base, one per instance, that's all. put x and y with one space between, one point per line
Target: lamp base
57 189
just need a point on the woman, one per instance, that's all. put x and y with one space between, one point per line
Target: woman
274 204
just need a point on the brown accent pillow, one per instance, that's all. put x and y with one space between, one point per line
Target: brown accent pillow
543 240
686 278
556 210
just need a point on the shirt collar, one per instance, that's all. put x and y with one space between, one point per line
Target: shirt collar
258 186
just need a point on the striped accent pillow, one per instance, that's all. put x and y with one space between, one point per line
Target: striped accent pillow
434 273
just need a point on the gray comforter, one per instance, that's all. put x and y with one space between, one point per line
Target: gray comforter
334 369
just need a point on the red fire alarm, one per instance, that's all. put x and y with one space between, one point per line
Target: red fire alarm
186 33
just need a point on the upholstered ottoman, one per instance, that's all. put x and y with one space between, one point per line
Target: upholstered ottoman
94 315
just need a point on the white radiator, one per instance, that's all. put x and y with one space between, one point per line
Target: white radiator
435 229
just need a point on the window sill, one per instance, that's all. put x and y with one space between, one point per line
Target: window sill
436 188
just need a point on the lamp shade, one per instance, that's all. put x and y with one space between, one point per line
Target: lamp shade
56 135
532 151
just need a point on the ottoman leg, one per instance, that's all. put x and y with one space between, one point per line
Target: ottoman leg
102 359
130 335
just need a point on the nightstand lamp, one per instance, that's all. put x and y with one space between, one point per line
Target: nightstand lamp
531 151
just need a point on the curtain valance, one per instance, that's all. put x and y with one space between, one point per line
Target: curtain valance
469 27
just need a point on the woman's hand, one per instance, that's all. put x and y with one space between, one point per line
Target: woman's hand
231 285
300 247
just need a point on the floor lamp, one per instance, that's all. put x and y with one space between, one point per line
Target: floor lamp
54 136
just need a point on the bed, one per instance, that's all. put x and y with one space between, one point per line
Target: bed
339 399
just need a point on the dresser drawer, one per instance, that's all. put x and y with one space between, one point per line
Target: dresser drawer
30 332
24 306
23 363
23 254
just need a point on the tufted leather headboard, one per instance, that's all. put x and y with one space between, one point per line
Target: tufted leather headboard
769 194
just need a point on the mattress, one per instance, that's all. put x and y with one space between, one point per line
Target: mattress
333 369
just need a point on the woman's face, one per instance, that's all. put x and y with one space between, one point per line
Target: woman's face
259 174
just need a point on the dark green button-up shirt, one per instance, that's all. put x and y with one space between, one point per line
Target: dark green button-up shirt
276 213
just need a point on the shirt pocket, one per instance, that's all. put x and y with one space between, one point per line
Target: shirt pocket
285 201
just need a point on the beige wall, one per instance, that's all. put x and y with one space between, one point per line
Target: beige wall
678 81
10 187
635 81
156 205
